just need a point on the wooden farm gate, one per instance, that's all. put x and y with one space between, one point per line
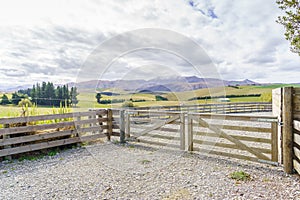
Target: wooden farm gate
251 138
161 128
248 137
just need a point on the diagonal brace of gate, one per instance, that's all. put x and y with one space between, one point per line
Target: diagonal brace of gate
158 125
232 139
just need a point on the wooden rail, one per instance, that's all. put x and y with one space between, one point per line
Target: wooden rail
224 108
25 134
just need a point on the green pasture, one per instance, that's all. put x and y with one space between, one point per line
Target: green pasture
87 99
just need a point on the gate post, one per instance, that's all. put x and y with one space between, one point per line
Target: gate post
190 132
109 123
127 125
287 136
122 126
182 131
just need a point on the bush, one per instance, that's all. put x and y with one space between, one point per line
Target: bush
127 104
160 98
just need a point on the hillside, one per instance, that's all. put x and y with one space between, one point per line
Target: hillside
175 84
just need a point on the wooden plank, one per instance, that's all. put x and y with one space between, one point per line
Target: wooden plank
234 140
296 102
296 115
115 134
37 137
287 137
244 138
296 165
154 112
296 125
44 117
91 129
297 91
274 140
100 120
33 128
297 139
235 117
231 155
226 145
160 124
297 152
39 146
242 128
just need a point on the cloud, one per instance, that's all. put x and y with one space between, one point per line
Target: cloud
51 40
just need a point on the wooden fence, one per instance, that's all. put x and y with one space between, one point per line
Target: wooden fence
173 129
25 134
222 108
251 138
286 103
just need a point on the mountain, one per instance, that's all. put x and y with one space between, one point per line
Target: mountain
176 84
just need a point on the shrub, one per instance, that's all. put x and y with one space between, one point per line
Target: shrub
127 104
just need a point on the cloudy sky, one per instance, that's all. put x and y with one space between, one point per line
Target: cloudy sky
51 40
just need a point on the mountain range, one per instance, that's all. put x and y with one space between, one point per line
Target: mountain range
161 84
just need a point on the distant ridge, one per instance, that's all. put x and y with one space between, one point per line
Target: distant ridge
176 84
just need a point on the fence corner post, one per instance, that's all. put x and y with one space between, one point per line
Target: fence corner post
287 136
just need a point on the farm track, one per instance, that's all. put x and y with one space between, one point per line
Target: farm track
113 171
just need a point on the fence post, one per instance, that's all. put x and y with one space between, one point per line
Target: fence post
127 123
7 146
109 123
287 137
190 133
182 131
122 126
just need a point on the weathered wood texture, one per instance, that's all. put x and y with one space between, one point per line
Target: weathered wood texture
228 137
25 134
286 105
215 108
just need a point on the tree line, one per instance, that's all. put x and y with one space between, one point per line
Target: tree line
45 94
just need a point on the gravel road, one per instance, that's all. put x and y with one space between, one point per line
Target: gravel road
113 171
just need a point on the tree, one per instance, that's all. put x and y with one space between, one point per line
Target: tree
15 98
4 100
73 96
98 97
291 22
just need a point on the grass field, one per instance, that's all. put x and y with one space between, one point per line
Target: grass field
87 99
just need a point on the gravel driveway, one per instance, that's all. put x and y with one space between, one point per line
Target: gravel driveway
112 171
